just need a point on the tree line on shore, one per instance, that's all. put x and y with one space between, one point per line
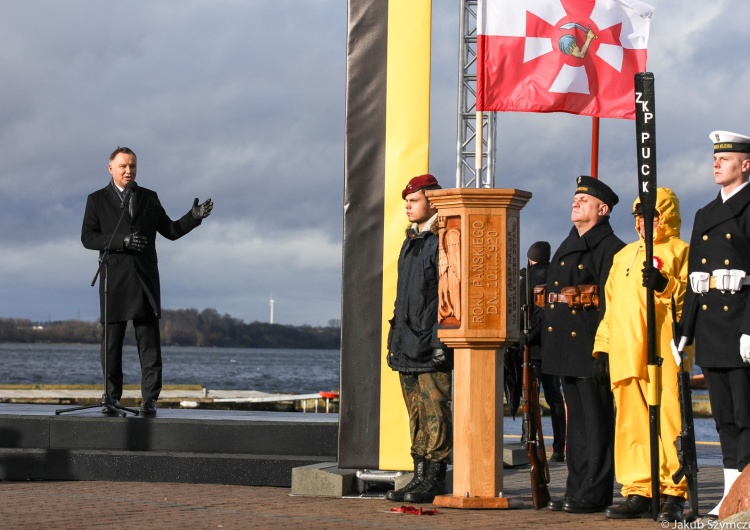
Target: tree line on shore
184 327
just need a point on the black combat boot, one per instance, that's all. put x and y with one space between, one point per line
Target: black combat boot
671 510
433 484
419 473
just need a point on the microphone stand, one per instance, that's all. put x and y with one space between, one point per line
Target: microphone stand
106 401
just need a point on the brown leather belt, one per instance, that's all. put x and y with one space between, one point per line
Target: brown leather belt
554 298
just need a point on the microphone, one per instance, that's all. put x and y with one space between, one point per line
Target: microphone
129 189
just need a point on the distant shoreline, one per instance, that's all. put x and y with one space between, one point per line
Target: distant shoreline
183 327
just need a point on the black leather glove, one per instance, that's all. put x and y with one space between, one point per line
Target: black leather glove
653 279
600 372
439 359
135 242
201 211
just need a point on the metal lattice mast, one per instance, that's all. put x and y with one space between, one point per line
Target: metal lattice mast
466 152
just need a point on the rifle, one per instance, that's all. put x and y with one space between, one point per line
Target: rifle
685 442
532 416
645 131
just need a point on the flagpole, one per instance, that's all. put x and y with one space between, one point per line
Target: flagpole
478 150
595 147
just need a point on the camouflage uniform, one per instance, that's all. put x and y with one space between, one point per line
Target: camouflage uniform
413 338
427 396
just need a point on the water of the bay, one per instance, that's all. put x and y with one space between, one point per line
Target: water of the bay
265 370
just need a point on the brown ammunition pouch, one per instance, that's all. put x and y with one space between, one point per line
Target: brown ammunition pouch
589 296
572 296
540 295
576 296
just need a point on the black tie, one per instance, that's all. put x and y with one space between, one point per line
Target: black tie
130 201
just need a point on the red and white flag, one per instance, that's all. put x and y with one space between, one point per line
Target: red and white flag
576 56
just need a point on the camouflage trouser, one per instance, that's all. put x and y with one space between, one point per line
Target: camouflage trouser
427 397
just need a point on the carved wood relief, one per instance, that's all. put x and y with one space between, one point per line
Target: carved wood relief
449 263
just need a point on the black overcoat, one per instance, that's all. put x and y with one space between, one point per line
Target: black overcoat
536 276
716 320
568 334
132 278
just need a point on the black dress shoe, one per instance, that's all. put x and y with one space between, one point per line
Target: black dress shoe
634 507
113 402
671 510
557 457
149 406
579 506
556 506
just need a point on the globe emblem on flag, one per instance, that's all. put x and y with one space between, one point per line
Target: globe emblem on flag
569 67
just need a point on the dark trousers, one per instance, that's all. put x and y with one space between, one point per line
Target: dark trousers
554 398
149 353
729 394
590 447
551 387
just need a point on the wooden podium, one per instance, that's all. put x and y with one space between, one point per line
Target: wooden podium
479 312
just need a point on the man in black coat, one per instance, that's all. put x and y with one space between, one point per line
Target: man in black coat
538 259
716 312
131 274
574 305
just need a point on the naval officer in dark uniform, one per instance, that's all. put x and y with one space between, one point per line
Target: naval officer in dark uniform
574 305
717 305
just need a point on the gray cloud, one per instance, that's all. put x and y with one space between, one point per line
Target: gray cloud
243 101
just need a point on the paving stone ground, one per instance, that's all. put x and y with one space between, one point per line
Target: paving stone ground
138 505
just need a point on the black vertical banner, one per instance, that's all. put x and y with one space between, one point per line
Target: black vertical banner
362 275
387 143
645 130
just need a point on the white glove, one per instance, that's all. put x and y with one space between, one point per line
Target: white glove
676 350
745 348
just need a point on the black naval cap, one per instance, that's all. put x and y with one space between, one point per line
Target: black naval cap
539 252
725 141
597 188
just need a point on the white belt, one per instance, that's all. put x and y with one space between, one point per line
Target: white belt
731 280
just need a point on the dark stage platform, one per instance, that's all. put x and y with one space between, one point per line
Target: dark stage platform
193 446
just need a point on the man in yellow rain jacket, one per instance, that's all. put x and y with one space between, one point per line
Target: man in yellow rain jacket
621 348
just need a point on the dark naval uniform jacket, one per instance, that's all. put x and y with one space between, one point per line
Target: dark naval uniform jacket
716 320
568 334
536 275
133 278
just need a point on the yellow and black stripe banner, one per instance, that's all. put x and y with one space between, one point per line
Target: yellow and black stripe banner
387 143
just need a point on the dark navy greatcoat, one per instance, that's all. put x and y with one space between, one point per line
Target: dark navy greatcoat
720 240
568 334
133 278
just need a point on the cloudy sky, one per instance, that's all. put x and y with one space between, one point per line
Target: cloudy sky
243 101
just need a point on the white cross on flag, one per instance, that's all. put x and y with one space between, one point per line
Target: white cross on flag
576 56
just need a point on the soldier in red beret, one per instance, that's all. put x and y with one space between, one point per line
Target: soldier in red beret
423 361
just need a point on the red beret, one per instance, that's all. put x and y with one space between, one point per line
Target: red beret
418 183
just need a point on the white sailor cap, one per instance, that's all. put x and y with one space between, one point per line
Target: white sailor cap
729 141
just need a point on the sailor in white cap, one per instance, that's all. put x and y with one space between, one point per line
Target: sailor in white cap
716 312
